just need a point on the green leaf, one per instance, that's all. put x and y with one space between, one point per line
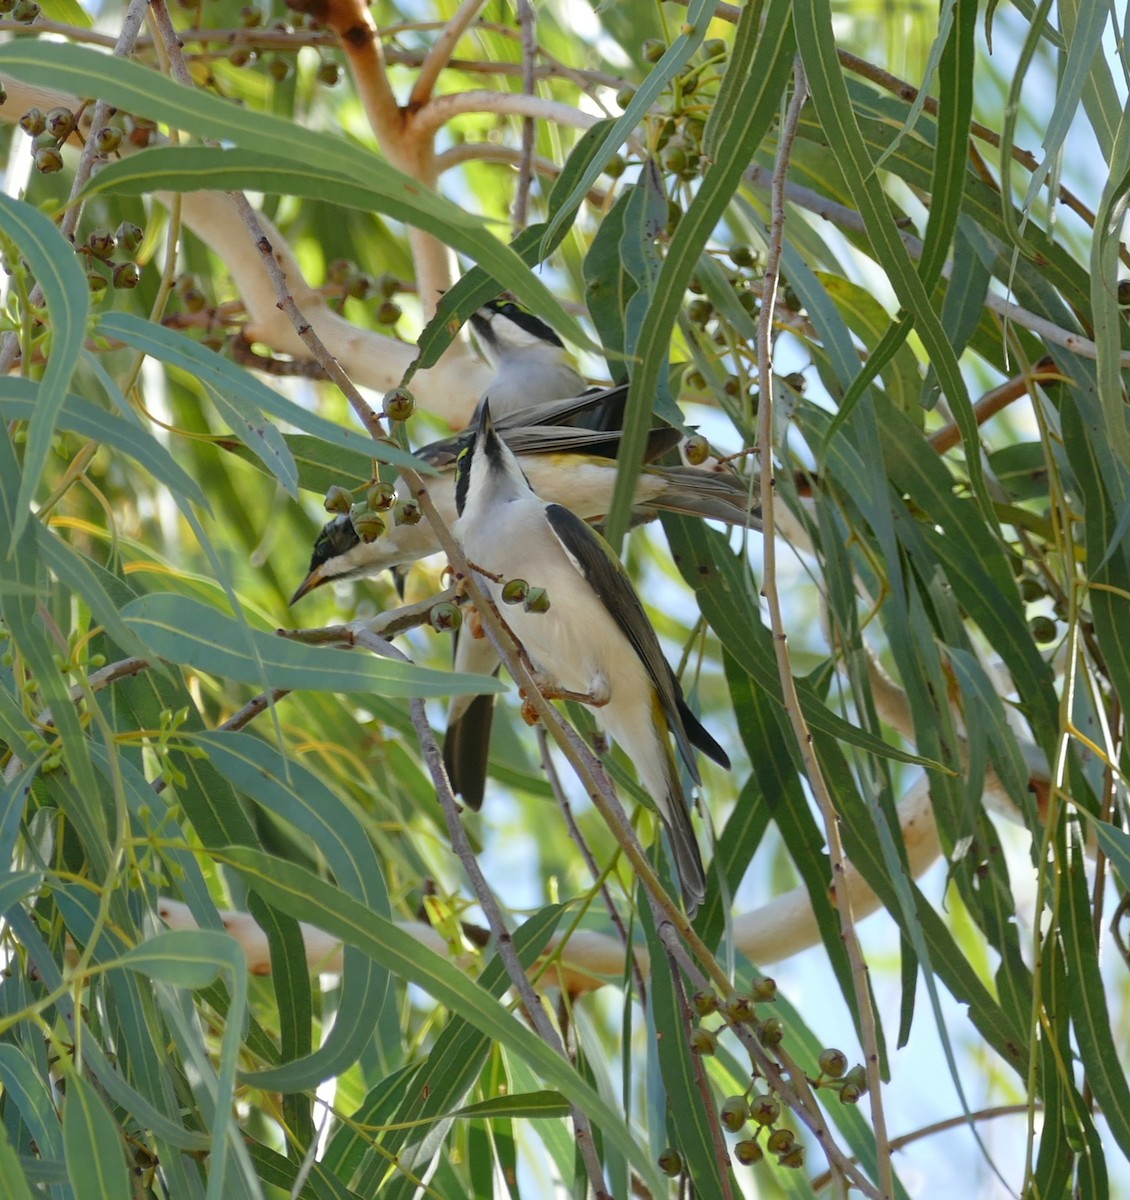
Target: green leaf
187 958
56 270
1115 843
532 1105
288 790
137 89
15 885
301 893
19 399
96 1163
224 377
11 1170
755 106
1090 1015
195 634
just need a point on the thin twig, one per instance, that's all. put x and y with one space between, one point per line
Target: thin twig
840 895
527 22
984 1114
995 401
850 218
579 841
779 1070
461 846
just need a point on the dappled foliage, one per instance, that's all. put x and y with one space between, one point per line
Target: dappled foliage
928 663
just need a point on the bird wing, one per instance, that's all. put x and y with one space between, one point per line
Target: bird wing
608 579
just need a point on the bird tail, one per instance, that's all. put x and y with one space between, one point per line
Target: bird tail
719 496
660 776
466 744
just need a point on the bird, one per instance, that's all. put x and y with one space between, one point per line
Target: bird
573 466
569 465
530 363
594 641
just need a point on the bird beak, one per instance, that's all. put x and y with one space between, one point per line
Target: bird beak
315 579
486 425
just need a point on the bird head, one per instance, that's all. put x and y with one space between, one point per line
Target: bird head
335 556
506 330
487 471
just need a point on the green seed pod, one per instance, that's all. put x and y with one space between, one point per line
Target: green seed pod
388 312
697 449
741 256
1043 630
794 1158
241 56
781 1141
714 48
625 95
97 282
407 513
832 1062
46 139
381 496
515 591
748 1151
127 275
101 243
670 1162
250 17
764 1110
107 139
279 69
653 50
734 1113
129 236
857 1077
368 525
700 310
33 122
772 1032
48 160
387 285
445 617
704 1003
703 1042
399 404
615 166
764 991
339 271
25 11
61 123
338 500
675 159
329 73
739 1009
850 1094
537 600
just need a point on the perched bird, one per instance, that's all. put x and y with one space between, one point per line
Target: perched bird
595 639
568 465
530 362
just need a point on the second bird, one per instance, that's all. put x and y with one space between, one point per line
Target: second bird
595 638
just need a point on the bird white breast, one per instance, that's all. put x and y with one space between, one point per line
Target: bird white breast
577 641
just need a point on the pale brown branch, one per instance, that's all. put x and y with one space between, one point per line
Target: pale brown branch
528 23
439 56
441 109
